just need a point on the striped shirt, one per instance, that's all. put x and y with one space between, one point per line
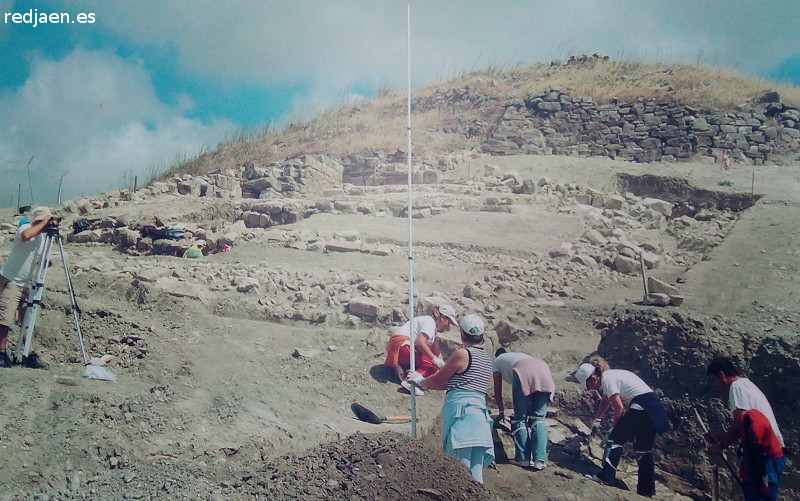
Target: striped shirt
477 375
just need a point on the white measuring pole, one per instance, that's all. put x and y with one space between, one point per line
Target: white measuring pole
409 211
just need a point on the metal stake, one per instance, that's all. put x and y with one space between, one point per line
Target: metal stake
410 210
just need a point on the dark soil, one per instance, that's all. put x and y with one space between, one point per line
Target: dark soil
387 466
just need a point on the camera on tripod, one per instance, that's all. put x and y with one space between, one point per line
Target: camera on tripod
53 224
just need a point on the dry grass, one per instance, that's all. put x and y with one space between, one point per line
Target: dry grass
381 122
605 80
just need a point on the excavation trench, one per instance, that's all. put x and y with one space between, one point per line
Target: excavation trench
688 200
670 350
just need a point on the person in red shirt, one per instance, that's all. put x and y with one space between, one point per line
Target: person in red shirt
760 443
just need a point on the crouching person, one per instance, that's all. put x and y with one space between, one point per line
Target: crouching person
466 424
426 350
645 418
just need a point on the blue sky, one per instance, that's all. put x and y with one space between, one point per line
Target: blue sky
152 81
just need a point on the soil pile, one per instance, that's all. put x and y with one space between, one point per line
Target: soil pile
387 466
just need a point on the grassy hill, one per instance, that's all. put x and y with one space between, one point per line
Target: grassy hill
441 109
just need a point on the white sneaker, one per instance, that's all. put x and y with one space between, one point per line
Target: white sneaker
417 390
538 465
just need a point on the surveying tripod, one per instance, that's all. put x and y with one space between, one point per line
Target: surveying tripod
36 290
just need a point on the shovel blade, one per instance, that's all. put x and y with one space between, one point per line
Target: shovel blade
366 415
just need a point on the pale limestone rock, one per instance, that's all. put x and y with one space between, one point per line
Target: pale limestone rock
343 246
247 284
508 332
381 286
615 202
627 265
152 274
657 299
595 237
585 260
657 286
363 307
564 250
350 235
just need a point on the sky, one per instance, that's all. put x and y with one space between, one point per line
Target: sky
126 89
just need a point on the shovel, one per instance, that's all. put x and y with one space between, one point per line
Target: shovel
366 415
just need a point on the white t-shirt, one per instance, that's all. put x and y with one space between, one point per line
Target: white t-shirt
17 267
745 395
424 323
504 364
626 383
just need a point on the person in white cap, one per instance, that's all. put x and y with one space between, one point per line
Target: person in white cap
427 354
645 418
15 276
466 424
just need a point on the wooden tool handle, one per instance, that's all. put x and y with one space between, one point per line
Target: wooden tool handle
397 419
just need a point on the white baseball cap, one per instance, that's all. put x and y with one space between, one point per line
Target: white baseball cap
472 324
583 373
40 213
449 312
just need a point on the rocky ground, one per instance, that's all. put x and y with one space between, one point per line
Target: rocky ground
236 371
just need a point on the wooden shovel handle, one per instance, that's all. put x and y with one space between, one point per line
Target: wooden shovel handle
397 419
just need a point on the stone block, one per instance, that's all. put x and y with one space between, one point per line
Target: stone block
363 307
627 265
657 286
343 246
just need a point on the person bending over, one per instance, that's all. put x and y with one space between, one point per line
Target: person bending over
532 388
644 418
761 444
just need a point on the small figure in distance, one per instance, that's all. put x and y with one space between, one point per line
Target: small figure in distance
726 160
427 354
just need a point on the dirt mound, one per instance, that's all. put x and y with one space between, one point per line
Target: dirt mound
385 466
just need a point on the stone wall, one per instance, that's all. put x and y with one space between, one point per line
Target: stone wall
304 175
645 130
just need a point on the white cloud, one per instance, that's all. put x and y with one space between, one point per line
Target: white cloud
95 113
275 40
95 116
329 45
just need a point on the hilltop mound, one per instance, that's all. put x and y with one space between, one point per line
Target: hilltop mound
688 112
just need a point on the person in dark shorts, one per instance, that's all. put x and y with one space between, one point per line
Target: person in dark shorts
644 419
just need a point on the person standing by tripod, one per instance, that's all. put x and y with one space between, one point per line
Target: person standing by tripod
15 277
